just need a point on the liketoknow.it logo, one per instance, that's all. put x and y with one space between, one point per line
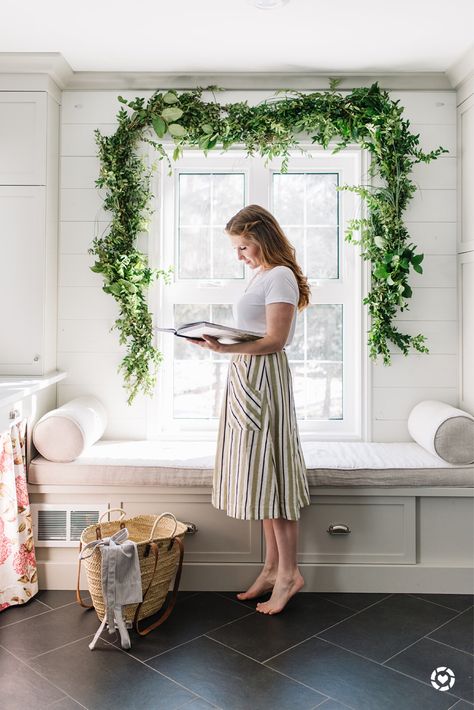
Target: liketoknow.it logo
442 678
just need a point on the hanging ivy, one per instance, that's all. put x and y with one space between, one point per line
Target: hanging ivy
367 116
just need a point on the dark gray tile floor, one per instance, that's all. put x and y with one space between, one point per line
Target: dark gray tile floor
328 650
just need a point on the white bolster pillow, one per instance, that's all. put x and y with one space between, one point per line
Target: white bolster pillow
62 434
443 430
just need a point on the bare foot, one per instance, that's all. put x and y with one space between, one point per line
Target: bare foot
283 590
263 583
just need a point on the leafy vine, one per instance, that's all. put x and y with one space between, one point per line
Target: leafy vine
367 116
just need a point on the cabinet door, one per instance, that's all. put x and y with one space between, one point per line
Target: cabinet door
22 257
23 137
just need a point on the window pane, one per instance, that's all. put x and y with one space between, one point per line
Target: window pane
321 198
288 198
322 257
324 390
306 205
199 375
206 202
324 331
228 194
194 199
226 265
194 252
317 373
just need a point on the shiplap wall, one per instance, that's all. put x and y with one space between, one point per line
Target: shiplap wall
91 354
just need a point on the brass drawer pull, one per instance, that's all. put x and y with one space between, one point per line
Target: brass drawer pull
338 529
192 528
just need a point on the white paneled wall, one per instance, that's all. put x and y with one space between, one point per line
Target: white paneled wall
91 354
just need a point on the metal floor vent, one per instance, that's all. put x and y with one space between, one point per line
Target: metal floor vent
61 525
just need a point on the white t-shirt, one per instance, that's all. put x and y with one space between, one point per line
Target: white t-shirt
275 285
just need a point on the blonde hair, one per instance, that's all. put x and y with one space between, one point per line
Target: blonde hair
260 227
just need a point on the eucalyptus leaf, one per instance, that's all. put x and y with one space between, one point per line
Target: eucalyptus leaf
175 129
170 98
172 114
159 126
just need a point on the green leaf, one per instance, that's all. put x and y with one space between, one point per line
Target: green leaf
380 272
97 268
176 130
380 242
170 98
172 114
122 100
418 268
407 292
207 128
203 142
115 288
176 153
159 126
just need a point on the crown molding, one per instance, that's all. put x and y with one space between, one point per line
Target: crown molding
53 65
50 64
255 80
461 75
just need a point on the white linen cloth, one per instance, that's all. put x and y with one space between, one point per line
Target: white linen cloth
121 581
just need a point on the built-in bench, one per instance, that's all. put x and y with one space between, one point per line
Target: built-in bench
149 463
384 516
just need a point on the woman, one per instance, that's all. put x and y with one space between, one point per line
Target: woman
259 471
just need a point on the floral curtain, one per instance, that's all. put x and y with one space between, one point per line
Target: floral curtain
18 573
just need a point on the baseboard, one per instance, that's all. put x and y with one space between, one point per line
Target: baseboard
318 578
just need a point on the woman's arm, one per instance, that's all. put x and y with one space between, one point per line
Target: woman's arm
278 316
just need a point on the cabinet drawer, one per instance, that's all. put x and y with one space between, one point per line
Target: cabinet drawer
219 538
382 530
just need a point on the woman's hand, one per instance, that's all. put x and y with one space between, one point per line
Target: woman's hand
209 343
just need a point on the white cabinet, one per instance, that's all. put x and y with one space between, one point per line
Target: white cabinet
23 116
29 164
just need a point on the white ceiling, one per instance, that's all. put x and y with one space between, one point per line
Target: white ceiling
365 36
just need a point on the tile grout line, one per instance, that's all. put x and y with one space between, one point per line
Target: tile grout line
195 637
389 668
46 679
315 690
445 606
155 670
41 613
448 645
419 639
326 629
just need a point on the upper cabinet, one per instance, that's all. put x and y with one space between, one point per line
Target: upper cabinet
23 121
29 172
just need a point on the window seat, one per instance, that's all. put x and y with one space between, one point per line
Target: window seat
186 463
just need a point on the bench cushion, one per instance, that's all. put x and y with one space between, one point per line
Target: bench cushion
329 463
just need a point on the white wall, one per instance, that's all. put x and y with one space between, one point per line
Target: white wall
91 354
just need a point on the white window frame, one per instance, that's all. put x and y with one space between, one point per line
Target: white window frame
352 285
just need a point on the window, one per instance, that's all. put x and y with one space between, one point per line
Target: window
325 356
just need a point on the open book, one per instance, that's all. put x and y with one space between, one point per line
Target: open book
224 333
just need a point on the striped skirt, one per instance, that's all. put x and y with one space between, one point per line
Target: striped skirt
259 469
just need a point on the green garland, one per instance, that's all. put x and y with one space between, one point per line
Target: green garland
367 116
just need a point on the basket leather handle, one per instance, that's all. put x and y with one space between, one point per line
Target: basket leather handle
78 593
170 607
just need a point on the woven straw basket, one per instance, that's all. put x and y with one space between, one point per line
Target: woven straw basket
159 540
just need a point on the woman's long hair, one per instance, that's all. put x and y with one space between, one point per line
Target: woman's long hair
260 227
